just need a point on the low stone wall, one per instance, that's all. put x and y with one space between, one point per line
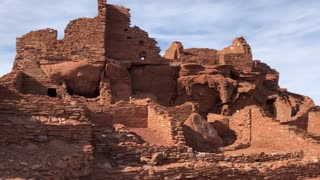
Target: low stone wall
44 111
263 157
130 115
289 170
14 134
169 121
160 121
123 148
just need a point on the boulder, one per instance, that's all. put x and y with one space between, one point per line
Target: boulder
200 134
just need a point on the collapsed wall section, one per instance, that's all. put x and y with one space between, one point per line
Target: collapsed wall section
238 54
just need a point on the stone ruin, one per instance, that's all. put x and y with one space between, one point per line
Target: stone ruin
101 103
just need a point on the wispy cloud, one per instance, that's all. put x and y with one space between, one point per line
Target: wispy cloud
283 33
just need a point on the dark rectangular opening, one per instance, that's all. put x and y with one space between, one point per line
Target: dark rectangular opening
141 42
52 92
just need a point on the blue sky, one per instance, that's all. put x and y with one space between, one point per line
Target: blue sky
284 33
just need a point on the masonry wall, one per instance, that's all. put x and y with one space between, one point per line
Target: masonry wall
271 80
168 121
43 133
66 146
124 42
120 82
13 78
237 54
130 115
179 115
314 121
32 127
161 122
159 81
31 48
283 109
84 40
290 171
241 124
202 56
239 60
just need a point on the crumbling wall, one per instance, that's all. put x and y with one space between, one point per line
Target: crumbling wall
168 122
291 170
106 55
127 43
43 132
314 121
222 125
238 54
174 52
283 109
48 112
241 124
31 48
160 121
271 76
51 137
235 131
293 109
84 41
13 79
201 56
179 115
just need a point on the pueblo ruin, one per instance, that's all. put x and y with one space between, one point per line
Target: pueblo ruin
101 103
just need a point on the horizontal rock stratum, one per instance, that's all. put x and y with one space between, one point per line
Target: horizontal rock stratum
102 103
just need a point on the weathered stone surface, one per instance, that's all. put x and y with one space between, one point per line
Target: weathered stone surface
175 51
81 78
199 132
314 121
237 54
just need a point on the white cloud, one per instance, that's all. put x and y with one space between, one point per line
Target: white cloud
283 33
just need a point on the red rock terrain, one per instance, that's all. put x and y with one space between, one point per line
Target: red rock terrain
103 104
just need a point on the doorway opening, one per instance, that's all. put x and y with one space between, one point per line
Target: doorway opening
52 92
